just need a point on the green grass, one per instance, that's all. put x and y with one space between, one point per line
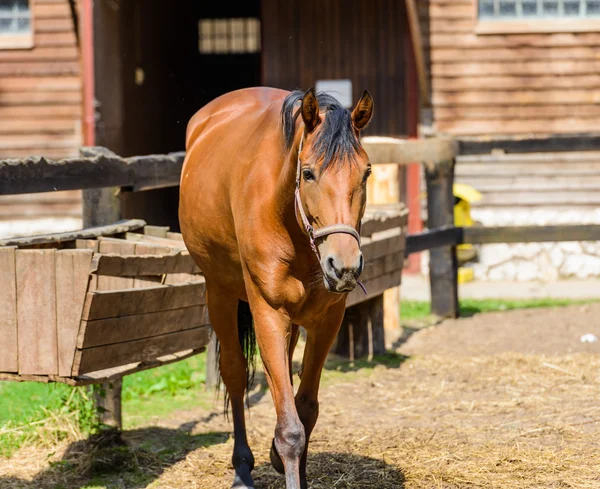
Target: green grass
25 407
28 406
416 310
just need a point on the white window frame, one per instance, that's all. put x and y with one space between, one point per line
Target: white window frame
23 40
532 25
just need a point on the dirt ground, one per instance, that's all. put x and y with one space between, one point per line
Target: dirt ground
501 400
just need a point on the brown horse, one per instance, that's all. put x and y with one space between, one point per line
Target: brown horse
273 190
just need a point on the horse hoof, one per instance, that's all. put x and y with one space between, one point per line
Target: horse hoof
276 459
243 479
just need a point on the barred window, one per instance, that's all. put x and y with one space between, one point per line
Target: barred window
229 36
538 9
15 24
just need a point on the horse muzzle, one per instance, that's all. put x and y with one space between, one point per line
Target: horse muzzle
341 275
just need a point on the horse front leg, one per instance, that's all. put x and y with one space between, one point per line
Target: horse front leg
319 341
273 333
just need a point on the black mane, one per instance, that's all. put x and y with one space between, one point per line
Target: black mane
336 138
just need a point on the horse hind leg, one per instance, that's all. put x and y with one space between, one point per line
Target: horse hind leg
224 315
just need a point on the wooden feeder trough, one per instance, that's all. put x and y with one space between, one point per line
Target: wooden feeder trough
98 304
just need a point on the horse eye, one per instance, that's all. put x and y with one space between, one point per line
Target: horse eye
308 175
367 173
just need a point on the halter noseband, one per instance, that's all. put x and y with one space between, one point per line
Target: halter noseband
314 234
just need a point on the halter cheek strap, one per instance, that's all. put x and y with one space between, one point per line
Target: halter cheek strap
314 234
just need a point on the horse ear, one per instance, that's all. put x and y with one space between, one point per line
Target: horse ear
310 110
362 113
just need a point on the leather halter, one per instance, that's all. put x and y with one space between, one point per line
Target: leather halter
314 234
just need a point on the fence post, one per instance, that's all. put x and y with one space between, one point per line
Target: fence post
212 356
101 206
107 397
443 267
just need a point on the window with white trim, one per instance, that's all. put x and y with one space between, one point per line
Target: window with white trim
229 36
503 10
16 30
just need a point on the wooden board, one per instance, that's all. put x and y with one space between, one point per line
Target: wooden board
375 287
531 234
119 227
119 247
391 241
135 266
404 151
127 328
36 312
144 249
147 349
108 304
72 278
8 311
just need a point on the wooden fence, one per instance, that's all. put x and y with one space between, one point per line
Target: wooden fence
443 237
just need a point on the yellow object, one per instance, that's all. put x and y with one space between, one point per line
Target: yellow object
465 274
462 218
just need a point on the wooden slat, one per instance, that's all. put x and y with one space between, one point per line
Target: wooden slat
375 287
48 83
54 39
471 40
383 265
389 242
98 170
54 25
41 53
517 67
531 234
157 231
128 328
451 54
37 126
511 112
147 349
523 97
72 277
142 238
39 68
383 217
106 375
174 236
46 112
8 311
144 249
119 247
405 151
530 144
526 126
41 97
36 312
134 266
111 229
141 301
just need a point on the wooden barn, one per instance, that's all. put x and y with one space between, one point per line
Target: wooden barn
520 70
128 74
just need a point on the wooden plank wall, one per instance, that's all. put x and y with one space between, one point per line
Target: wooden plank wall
306 41
508 84
41 107
556 181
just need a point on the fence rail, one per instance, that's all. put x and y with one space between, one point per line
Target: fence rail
96 168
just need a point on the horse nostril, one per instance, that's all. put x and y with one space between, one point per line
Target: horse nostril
333 268
361 265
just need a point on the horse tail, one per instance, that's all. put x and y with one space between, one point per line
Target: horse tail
247 339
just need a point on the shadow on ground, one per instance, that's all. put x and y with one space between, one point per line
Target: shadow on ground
132 462
339 470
